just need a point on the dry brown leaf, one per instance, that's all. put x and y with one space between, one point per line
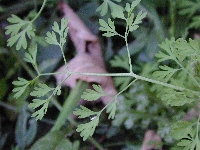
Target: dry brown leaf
150 135
89 56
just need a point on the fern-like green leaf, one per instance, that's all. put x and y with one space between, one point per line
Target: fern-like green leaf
133 25
109 27
178 98
30 56
120 61
88 129
21 86
57 90
116 10
84 112
91 95
111 109
19 31
41 90
39 114
62 31
165 74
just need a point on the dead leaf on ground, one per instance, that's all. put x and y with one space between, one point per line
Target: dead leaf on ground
89 57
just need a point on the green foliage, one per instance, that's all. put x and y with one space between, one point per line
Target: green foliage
84 112
21 86
120 61
30 56
165 74
40 91
88 129
91 95
187 134
61 31
18 31
39 114
55 141
111 109
108 28
116 10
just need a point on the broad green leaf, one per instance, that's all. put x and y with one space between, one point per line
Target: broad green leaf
165 74
91 95
19 30
31 55
42 90
88 129
109 27
84 112
21 86
111 109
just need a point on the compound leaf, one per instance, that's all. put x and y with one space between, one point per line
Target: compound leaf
165 74
21 84
41 90
84 112
111 109
57 90
116 10
18 31
39 114
88 129
120 62
177 98
91 95
31 55
108 28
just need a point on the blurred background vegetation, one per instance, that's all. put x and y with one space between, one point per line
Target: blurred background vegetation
139 108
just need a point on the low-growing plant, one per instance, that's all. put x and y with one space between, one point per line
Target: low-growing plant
176 82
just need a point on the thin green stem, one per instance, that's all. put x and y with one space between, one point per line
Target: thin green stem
61 48
197 134
172 17
69 104
40 11
127 48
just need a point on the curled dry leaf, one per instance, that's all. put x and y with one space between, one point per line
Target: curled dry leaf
89 56
151 141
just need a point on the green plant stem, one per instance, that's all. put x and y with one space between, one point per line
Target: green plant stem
61 47
38 14
197 134
127 48
69 104
172 17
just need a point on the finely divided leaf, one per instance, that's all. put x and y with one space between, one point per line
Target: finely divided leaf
134 25
19 30
39 114
84 112
21 86
41 90
91 95
166 74
88 129
108 28
62 31
31 55
57 90
177 98
116 10
120 61
111 109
